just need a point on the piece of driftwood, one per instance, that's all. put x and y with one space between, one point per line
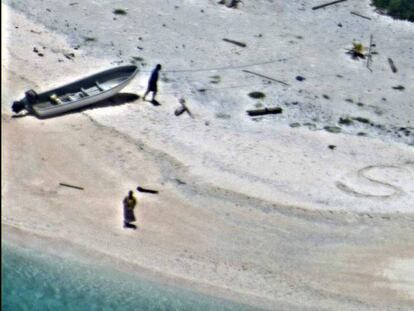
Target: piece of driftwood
183 108
371 38
260 112
71 186
229 3
180 110
140 189
263 76
241 44
326 4
392 65
357 14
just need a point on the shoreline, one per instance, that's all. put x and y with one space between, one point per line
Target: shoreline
77 253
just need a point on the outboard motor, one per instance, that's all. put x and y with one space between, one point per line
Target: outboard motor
18 106
31 96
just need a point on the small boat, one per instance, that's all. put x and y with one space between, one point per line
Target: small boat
78 94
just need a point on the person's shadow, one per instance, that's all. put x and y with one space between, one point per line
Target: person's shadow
130 226
155 102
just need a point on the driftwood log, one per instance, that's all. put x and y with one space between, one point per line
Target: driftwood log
70 186
357 14
183 108
392 65
241 44
140 189
326 4
260 112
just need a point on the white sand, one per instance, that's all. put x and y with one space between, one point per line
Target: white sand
263 210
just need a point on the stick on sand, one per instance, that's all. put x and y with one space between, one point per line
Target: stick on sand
140 189
326 4
71 186
263 76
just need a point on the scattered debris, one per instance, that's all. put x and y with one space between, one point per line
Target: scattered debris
399 87
136 59
241 44
71 186
140 189
371 38
89 39
229 3
263 76
69 55
180 182
357 14
183 108
345 121
119 12
259 112
362 120
332 129
257 95
326 4
392 65
215 79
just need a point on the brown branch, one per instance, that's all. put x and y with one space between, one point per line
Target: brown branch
326 4
263 76
357 14
241 44
71 186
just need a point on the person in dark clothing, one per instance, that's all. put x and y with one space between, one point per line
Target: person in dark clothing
129 205
152 83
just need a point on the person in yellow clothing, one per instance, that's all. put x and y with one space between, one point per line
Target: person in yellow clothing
129 204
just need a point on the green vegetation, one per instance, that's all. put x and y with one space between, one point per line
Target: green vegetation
401 9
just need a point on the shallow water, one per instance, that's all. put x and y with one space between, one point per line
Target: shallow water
36 281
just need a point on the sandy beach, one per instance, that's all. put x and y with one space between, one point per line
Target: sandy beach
295 211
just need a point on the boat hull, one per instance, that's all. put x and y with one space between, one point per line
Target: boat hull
111 82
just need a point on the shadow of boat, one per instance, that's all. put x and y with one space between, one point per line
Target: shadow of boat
116 100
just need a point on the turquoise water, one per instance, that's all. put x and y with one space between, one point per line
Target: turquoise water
36 281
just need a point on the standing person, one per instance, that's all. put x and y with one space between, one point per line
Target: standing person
152 83
129 205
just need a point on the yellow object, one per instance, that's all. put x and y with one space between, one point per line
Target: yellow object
54 99
358 48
